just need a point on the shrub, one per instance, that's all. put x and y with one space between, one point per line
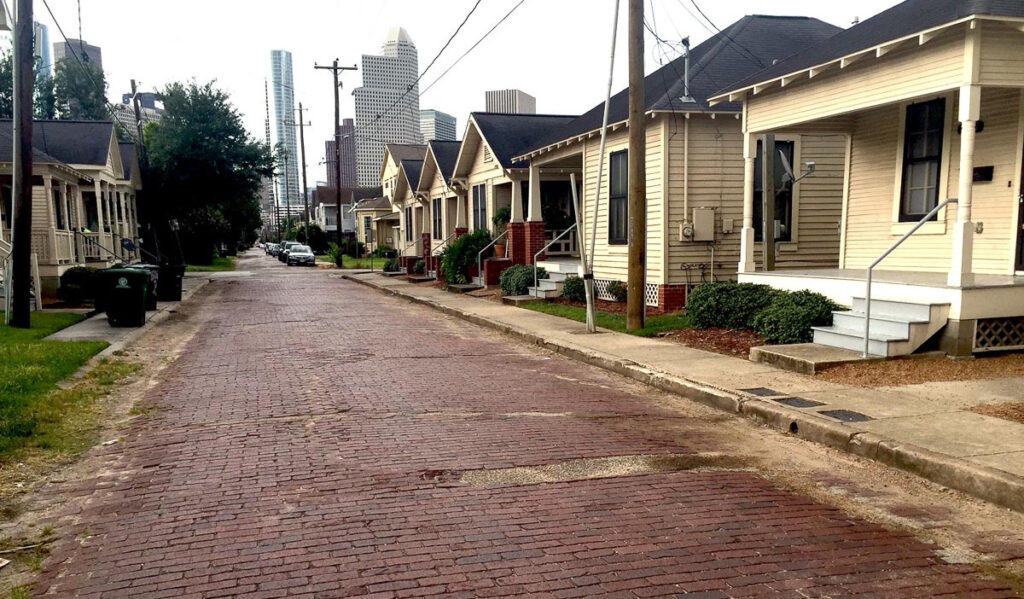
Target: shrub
573 289
501 219
728 305
78 285
516 280
391 265
618 290
461 254
336 255
384 251
790 316
419 267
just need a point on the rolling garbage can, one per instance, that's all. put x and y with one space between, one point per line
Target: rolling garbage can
125 291
154 282
168 286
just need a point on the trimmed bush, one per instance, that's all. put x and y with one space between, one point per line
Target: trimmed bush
618 290
461 254
391 265
728 305
419 267
336 255
573 289
78 285
790 316
516 280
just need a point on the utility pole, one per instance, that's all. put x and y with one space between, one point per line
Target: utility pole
305 189
335 69
768 200
138 121
21 233
287 193
637 200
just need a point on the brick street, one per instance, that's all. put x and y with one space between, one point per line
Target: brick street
310 442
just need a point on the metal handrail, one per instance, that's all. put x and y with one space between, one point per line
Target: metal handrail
883 256
479 256
436 251
544 249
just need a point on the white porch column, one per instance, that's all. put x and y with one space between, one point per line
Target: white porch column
101 210
48 192
461 198
535 211
961 270
747 233
517 201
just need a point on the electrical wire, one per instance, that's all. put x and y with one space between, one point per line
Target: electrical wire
740 46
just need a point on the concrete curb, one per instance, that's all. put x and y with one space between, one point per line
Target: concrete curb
983 482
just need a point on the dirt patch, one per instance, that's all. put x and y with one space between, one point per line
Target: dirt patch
605 306
721 341
913 371
1012 411
493 295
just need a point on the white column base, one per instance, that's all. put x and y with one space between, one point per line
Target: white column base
746 250
961 271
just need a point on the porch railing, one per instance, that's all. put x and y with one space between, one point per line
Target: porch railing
883 256
543 249
41 246
561 246
65 246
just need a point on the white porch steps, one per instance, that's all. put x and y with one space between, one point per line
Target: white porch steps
558 271
898 327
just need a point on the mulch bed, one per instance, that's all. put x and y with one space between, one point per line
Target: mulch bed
1012 411
721 341
912 371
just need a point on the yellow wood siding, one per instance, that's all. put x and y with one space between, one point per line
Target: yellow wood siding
1002 62
904 72
873 164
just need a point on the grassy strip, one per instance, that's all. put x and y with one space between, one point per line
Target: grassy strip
614 322
218 265
30 369
360 263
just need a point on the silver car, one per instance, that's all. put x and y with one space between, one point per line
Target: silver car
301 254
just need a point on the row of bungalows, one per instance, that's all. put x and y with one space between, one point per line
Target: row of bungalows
84 209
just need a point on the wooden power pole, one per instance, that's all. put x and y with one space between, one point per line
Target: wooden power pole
21 235
335 69
305 187
637 163
768 200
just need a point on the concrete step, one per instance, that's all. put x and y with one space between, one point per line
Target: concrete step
550 285
854 321
879 344
542 293
566 267
892 308
465 288
420 278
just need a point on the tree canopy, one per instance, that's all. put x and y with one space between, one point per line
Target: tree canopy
204 170
80 91
43 101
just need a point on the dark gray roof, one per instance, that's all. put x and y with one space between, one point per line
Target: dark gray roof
412 171
7 148
74 142
446 152
128 153
402 152
373 204
511 135
745 47
904 19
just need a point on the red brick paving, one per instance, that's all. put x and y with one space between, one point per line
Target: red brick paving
299 451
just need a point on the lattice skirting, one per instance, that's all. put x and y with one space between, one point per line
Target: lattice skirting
997 334
650 292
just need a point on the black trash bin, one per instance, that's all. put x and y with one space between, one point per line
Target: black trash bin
154 282
168 286
125 291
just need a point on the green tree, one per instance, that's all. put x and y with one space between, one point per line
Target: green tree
44 103
204 171
80 91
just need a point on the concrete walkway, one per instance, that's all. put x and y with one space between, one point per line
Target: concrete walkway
925 429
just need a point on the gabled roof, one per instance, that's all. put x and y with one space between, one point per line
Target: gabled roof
129 158
400 152
412 169
7 149
373 204
75 142
905 19
441 156
509 135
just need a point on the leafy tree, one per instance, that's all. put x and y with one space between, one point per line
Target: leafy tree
44 103
204 171
80 91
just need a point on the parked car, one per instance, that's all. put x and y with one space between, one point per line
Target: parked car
299 255
273 249
285 246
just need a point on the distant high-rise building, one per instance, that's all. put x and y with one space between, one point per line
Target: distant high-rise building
387 104
85 52
282 88
146 99
125 114
437 125
348 156
510 101
41 47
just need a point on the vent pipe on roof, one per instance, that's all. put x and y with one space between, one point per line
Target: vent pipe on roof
686 71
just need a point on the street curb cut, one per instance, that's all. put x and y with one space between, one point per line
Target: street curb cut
983 482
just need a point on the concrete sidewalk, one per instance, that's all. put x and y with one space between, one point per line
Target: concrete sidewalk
925 429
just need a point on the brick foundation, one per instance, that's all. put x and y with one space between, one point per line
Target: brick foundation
460 231
671 297
533 233
493 268
517 242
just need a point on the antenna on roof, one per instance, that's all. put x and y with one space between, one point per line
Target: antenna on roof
686 71
856 20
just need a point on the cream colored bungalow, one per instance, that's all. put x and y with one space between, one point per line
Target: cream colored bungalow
443 220
411 212
929 96
695 185
372 228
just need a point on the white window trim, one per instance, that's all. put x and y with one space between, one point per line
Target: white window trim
937 227
793 244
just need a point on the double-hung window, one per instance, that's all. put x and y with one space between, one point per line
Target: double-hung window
408 225
618 184
435 212
922 158
479 207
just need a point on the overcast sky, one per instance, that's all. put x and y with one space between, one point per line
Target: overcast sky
556 50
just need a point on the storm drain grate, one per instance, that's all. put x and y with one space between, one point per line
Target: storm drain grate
799 402
762 391
846 415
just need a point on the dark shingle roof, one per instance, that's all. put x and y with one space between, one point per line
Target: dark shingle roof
7 148
402 152
446 152
373 204
412 171
743 48
510 135
904 19
74 142
127 149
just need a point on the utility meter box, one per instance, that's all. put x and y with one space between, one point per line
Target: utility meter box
703 224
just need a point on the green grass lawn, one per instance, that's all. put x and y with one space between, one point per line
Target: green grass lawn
614 322
30 369
218 265
360 263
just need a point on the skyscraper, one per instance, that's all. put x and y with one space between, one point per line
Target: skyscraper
283 89
437 125
387 105
41 47
85 52
348 156
510 101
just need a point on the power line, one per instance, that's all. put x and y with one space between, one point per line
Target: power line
738 45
